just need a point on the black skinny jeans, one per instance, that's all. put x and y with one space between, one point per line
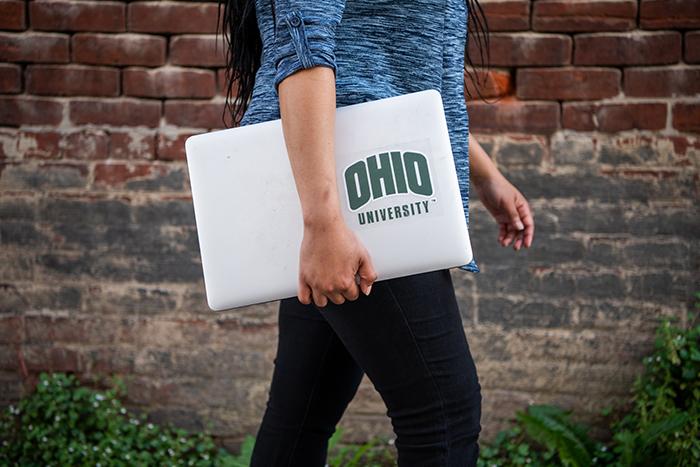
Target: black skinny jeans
407 336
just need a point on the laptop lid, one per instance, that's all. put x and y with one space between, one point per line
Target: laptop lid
397 185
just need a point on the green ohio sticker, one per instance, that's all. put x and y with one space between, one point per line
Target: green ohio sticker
384 175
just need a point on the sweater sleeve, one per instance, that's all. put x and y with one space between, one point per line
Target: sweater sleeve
304 35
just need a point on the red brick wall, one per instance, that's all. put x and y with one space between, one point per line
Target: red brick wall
592 112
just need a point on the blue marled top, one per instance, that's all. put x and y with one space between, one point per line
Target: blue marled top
381 48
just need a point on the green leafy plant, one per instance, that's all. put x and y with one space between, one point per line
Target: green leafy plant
663 427
373 453
544 435
65 424
244 457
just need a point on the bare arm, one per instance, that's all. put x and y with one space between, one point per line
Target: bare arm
481 167
331 255
307 108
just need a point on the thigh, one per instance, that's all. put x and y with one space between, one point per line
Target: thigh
408 337
313 381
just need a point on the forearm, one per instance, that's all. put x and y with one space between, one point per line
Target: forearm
481 167
307 108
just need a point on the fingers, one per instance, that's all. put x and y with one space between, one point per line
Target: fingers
304 293
367 273
320 300
528 221
322 295
339 291
520 225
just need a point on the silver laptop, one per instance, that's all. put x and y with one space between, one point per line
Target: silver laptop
397 185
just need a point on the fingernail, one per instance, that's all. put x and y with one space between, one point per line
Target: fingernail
369 288
519 225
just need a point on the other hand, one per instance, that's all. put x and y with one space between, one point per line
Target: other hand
510 209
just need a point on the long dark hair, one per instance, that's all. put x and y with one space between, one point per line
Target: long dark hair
244 49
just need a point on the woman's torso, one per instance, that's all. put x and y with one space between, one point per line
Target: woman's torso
385 48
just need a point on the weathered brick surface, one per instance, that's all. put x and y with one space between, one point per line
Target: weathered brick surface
586 16
592 112
12 15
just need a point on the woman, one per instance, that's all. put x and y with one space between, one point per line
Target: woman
298 61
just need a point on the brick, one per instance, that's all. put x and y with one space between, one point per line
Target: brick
34 47
84 211
8 144
12 15
51 359
72 80
86 143
516 314
661 286
174 18
22 234
17 266
612 316
692 47
669 14
78 329
515 116
169 82
196 114
103 16
197 50
41 144
567 83
118 49
165 212
147 177
662 82
108 360
124 240
171 146
11 329
10 79
614 218
15 208
645 150
584 16
132 145
54 297
572 148
686 116
526 49
638 48
118 112
515 150
605 184
28 110
44 176
81 266
156 268
511 15
133 300
479 84
614 117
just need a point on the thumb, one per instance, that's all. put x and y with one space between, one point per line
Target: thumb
367 273
514 217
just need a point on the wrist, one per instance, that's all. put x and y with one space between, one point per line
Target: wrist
484 176
322 218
